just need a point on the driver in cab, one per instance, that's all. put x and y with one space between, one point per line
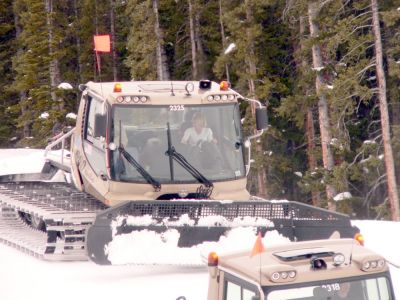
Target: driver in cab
199 133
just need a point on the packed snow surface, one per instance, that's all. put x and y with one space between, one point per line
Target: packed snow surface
25 277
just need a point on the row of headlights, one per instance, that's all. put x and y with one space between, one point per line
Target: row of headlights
283 276
144 99
372 265
224 97
132 99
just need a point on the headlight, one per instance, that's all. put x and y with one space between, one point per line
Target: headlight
338 259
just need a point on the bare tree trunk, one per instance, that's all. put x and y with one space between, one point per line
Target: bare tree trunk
221 22
54 69
161 57
324 121
195 70
78 42
261 174
78 50
309 128
113 50
312 162
26 129
201 64
96 27
389 162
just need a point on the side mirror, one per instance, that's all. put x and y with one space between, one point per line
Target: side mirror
261 118
100 125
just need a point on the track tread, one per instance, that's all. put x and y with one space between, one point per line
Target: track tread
66 212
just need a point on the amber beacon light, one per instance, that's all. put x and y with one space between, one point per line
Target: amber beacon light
224 85
212 259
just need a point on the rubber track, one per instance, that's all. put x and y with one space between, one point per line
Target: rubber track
67 214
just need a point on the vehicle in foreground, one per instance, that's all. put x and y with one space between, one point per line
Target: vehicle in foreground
321 269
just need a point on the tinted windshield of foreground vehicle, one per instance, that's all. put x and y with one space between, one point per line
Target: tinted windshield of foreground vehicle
365 289
209 137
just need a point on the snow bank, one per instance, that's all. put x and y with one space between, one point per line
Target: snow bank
17 161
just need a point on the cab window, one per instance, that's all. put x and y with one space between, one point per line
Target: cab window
95 107
235 291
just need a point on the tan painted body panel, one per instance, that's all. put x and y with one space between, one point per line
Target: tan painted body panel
112 192
120 191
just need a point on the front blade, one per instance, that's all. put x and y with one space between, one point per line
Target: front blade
180 232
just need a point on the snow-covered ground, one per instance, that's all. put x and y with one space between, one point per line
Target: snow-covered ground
25 277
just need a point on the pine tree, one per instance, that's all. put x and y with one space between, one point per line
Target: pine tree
141 41
260 62
7 97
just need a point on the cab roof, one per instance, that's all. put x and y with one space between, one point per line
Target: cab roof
297 257
131 87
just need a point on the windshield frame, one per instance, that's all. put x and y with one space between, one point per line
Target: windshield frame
268 289
189 179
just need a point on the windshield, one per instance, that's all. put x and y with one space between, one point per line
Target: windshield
362 289
208 137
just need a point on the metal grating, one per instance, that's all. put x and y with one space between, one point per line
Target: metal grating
230 210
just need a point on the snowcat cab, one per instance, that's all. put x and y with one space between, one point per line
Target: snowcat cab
133 142
321 269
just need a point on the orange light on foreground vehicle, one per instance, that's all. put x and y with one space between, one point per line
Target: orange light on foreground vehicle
224 85
359 238
117 88
212 259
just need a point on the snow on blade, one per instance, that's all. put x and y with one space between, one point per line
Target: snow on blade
207 221
151 248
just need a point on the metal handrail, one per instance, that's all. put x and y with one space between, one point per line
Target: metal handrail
59 140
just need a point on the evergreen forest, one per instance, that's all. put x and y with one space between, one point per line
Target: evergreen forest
327 70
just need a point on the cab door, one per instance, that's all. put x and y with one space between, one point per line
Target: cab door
94 174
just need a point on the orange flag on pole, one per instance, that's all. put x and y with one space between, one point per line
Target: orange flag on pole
258 246
102 43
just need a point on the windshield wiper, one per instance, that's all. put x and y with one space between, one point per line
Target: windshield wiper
179 158
156 185
146 175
